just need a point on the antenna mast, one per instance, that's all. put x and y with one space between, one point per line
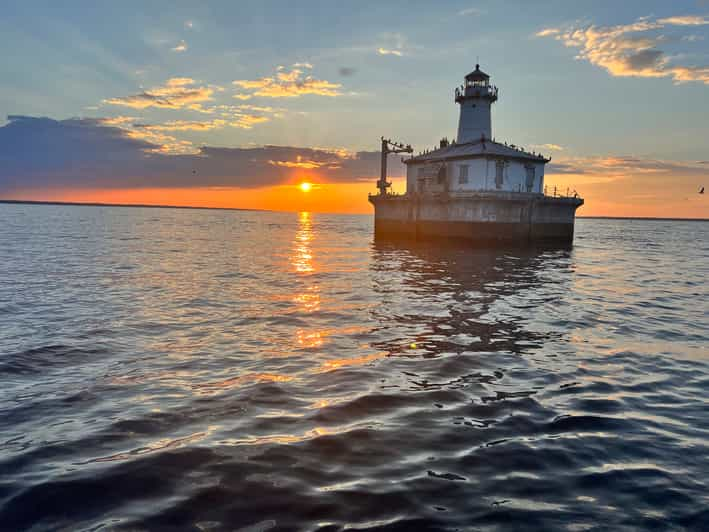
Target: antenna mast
389 146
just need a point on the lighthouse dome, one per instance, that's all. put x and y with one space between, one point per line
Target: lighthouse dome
477 75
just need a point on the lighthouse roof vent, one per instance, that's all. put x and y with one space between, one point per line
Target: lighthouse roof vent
477 75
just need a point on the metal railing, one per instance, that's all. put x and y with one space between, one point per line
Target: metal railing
548 192
556 193
489 91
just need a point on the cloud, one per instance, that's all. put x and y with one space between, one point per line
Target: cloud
181 47
41 153
33 148
298 163
635 186
247 121
303 65
238 120
189 24
288 84
551 147
177 93
632 49
184 125
476 11
249 107
610 168
385 51
115 120
346 71
198 107
160 142
393 43
687 20
548 32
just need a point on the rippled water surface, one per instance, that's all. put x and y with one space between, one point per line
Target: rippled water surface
166 369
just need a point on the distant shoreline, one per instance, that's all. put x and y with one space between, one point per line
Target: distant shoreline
646 218
136 205
142 205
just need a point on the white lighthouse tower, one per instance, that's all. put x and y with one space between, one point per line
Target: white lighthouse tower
475 97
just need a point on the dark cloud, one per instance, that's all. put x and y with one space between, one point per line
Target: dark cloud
347 71
645 59
626 165
86 153
564 168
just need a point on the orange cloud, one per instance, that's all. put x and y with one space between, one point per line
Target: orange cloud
298 163
181 47
177 93
183 125
631 49
686 20
238 120
162 143
548 32
116 120
246 121
290 84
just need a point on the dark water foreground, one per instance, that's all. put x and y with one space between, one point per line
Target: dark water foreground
207 371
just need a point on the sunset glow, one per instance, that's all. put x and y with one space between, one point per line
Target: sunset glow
173 119
400 265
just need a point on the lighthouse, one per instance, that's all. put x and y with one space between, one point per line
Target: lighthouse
475 189
475 97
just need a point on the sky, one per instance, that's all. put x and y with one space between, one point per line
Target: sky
235 104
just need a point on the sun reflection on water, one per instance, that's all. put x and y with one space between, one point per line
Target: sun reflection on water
303 256
310 339
308 301
331 365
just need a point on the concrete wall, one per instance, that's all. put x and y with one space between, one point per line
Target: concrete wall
425 178
515 176
481 176
489 217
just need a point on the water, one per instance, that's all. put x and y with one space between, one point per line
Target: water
167 369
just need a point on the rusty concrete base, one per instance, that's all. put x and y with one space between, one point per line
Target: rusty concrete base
479 232
483 219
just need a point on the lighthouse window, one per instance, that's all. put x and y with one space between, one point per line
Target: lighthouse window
462 173
499 173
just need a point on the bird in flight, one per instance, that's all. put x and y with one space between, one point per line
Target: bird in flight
701 190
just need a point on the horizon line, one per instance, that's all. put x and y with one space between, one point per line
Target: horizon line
196 207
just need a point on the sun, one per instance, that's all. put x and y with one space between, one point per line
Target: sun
305 186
